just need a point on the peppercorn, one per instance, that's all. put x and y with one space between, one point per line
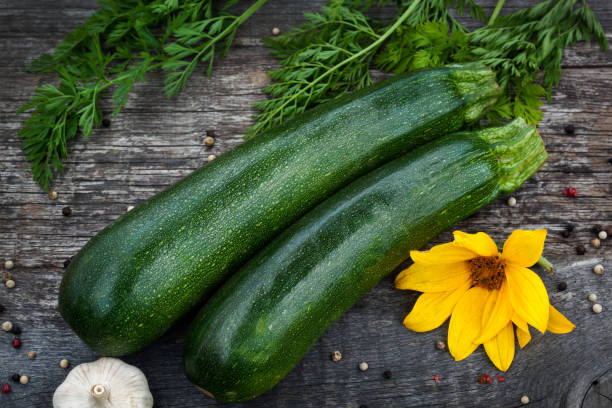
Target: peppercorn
500 378
52 195
596 228
580 250
609 231
592 297
610 160
597 308
32 354
15 377
106 122
211 157
363 406
130 207
524 400
387 374
64 363
6 389
569 227
595 243
67 262
570 192
440 345
10 284
7 326
565 233
562 286
8 264
336 356
363 366
24 379
275 31
66 211
570 129
602 235
16 330
16 342
2 308
211 133
598 269
209 141
6 276
512 202
436 378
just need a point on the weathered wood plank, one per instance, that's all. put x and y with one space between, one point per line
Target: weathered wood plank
154 142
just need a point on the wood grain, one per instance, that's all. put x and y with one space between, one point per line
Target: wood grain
154 142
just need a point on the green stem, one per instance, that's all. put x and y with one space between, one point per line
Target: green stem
543 262
498 7
364 51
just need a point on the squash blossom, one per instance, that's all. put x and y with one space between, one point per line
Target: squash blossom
485 293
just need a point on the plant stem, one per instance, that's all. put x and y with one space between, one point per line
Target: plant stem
543 262
498 7
364 51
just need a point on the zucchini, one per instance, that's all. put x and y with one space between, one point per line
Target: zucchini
258 326
135 278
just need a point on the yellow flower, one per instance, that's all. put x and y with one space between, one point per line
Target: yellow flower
484 293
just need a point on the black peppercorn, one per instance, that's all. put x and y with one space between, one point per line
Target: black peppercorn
610 160
580 250
66 211
596 228
570 129
211 133
562 286
67 262
565 233
569 227
15 377
363 406
16 330
387 374
106 122
2 308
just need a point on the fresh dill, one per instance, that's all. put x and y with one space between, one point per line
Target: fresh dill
330 54
111 51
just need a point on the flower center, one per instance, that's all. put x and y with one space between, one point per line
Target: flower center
487 271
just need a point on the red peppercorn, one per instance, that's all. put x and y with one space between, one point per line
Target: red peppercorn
570 192
500 378
437 378
485 379
6 389
66 211
16 342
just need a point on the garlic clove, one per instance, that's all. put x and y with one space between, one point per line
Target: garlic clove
106 383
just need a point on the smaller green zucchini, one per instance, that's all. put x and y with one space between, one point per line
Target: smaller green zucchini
260 324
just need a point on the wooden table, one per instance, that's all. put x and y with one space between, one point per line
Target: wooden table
155 142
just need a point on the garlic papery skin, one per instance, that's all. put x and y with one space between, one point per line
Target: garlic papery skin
106 383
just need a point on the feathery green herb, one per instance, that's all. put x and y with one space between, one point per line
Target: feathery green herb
115 48
524 49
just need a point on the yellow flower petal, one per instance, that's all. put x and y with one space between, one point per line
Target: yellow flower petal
528 296
432 309
496 314
557 323
442 254
523 336
480 243
524 248
465 321
433 278
500 348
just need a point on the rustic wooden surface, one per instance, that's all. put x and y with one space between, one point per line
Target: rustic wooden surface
155 142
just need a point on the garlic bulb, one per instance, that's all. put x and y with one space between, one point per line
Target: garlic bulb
106 383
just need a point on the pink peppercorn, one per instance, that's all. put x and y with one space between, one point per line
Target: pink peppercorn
16 342
500 378
570 192
437 378
6 389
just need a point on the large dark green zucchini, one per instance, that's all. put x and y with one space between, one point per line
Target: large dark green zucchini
252 332
134 279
